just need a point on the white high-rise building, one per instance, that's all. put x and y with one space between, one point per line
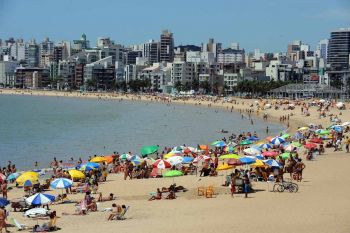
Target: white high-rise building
322 49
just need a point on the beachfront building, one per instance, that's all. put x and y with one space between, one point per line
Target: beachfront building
32 77
18 50
166 46
279 71
7 72
150 51
339 49
182 72
297 91
159 74
46 50
100 75
322 49
230 81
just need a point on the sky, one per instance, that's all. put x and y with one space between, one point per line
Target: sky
265 24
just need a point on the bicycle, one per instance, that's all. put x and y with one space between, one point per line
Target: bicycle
289 186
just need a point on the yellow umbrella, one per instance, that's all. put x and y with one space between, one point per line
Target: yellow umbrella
30 175
75 174
258 163
222 167
303 128
98 159
169 155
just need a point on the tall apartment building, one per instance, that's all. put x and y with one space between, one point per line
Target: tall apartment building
322 49
151 51
32 54
339 49
166 46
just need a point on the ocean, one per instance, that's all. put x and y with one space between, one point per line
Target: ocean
34 128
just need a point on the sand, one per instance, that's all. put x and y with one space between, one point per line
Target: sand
321 204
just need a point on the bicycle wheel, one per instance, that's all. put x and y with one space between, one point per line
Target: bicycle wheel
295 187
279 188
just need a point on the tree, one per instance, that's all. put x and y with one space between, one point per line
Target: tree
205 85
195 84
178 86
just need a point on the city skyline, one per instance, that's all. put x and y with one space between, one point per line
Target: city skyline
140 25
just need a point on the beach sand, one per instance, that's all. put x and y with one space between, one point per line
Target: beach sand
321 204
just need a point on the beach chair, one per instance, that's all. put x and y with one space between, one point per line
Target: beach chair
201 191
121 216
18 226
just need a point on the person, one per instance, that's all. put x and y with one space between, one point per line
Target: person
109 198
54 165
4 189
171 195
116 210
299 167
53 219
158 195
3 219
246 185
233 182
92 206
347 144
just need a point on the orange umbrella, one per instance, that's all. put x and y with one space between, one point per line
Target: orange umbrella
269 138
204 147
109 158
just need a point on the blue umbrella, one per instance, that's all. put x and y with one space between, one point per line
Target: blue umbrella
277 141
40 199
259 156
253 138
61 183
13 176
27 183
89 166
265 146
187 159
4 202
337 128
219 144
247 160
272 163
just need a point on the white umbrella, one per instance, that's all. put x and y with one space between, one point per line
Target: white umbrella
252 151
40 199
175 160
36 212
61 183
340 104
345 123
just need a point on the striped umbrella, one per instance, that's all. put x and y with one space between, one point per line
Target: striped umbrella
40 199
247 159
162 164
175 160
201 158
3 202
90 166
61 183
251 151
272 163
277 141
265 146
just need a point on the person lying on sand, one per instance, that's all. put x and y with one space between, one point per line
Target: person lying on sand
171 195
109 198
158 196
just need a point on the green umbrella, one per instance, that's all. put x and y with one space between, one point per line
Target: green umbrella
297 144
285 155
323 132
173 173
147 150
284 136
230 156
246 142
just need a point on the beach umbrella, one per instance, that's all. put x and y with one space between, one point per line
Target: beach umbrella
322 132
136 162
175 160
61 183
272 163
173 173
162 164
270 153
229 149
36 212
296 144
125 156
218 143
2 177
28 183
187 159
135 157
316 140
3 202
169 155
286 135
251 151
201 158
147 150
285 155
303 128
40 199
265 146
223 167
149 161
247 159
75 174
32 176
253 138
290 147
269 138
259 156
234 162
109 158
90 166
204 147
245 142
98 159
229 156
337 128
13 176
258 163
277 141
310 145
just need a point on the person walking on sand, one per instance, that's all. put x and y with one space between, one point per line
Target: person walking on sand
347 144
246 185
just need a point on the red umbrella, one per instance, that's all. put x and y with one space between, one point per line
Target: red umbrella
310 145
270 153
234 162
316 140
162 164
201 157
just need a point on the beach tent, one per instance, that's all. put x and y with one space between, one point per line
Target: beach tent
32 176
75 174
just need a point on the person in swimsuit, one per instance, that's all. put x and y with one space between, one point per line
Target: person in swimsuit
2 219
